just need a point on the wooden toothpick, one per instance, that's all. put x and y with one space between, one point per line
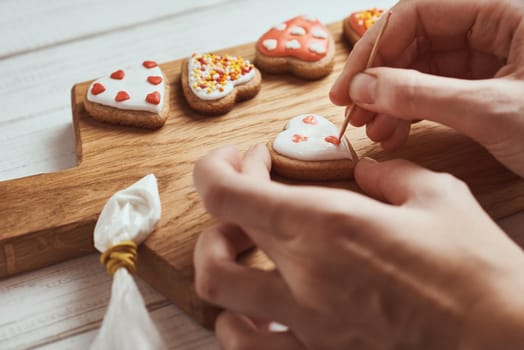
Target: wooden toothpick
371 59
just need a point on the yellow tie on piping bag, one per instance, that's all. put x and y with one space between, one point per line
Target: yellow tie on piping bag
126 221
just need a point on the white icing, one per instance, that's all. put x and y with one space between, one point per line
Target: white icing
315 148
130 214
127 324
136 85
319 33
293 44
194 72
318 47
280 26
309 18
297 30
270 44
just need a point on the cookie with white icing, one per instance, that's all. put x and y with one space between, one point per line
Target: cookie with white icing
301 45
357 23
135 96
308 149
212 84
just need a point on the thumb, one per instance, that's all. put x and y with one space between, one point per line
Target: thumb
409 94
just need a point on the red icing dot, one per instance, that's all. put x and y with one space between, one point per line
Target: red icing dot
121 96
118 75
299 138
310 119
154 79
153 98
149 64
332 139
97 88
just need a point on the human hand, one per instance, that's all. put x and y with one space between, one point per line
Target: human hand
428 271
459 63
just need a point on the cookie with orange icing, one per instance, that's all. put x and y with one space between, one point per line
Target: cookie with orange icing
309 149
134 96
212 84
301 45
357 23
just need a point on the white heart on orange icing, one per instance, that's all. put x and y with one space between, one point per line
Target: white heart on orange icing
317 47
135 83
319 33
304 138
297 30
280 26
270 44
293 44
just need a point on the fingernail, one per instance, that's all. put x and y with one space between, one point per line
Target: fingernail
368 161
362 88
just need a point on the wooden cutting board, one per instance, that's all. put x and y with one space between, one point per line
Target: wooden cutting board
50 217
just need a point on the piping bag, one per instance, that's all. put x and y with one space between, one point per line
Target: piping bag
127 219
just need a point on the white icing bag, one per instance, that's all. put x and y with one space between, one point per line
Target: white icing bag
129 215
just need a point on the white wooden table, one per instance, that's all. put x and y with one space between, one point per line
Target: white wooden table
45 48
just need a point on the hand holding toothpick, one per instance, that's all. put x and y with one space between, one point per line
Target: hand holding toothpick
371 59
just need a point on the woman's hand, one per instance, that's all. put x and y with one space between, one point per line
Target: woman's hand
459 63
419 267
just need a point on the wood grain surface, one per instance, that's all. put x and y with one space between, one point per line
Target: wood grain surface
63 207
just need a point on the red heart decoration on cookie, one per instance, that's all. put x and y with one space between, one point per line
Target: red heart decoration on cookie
332 139
121 96
154 79
310 119
149 64
153 98
299 138
118 75
97 89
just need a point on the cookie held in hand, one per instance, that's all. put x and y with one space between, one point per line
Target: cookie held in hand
357 23
302 46
212 84
136 96
309 149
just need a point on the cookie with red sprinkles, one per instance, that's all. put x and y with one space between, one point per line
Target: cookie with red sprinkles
135 96
212 84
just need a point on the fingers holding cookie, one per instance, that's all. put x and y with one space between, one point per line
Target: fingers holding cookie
221 280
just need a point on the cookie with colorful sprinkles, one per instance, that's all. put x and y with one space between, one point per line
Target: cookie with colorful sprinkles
357 23
135 96
212 84
309 149
301 45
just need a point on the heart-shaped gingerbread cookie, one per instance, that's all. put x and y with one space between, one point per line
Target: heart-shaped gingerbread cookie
212 84
302 45
357 23
309 149
135 96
